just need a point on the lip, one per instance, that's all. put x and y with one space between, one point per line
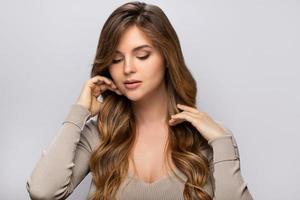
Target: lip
133 85
131 81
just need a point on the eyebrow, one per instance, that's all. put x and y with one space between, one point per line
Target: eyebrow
136 48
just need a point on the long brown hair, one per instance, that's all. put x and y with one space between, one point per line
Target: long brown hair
109 162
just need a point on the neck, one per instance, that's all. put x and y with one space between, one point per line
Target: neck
152 109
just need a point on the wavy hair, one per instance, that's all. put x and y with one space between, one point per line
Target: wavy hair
109 162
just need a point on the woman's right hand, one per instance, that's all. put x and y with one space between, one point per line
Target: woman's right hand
92 89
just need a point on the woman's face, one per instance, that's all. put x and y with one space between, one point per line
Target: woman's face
137 59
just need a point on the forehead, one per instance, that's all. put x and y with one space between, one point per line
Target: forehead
133 39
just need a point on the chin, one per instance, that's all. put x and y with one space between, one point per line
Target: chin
134 97
139 94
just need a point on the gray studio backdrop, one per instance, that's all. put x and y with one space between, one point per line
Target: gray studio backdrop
243 54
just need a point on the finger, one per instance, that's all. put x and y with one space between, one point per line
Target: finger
119 92
175 121
184 115
113 86
96 79
105 87
187 108
101 79
96 91
110 87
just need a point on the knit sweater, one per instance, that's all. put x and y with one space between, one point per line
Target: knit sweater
64 163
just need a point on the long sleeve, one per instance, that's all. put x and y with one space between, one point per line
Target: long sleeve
65 162
227 180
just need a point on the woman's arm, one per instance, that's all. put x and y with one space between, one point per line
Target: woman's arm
65 162
226 177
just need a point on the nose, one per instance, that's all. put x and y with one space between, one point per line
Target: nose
129 67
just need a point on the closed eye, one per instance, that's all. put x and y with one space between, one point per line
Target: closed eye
141 58
116 61
144 57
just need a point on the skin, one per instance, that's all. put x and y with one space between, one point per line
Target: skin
92 89
200 120
149 102
150 99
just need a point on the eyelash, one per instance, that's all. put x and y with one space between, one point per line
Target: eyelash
141 58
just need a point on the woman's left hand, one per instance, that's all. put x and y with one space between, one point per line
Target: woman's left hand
200 120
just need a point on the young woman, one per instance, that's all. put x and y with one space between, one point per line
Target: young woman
149 140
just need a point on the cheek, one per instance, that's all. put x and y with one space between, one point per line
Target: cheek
114 74
154 71
154 81
110 70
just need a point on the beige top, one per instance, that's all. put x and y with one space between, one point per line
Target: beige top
65 163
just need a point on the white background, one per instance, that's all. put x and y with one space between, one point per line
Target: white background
245 56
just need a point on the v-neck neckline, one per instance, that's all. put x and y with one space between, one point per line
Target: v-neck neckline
166 177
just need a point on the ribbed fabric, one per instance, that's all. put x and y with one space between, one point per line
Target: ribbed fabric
65 163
